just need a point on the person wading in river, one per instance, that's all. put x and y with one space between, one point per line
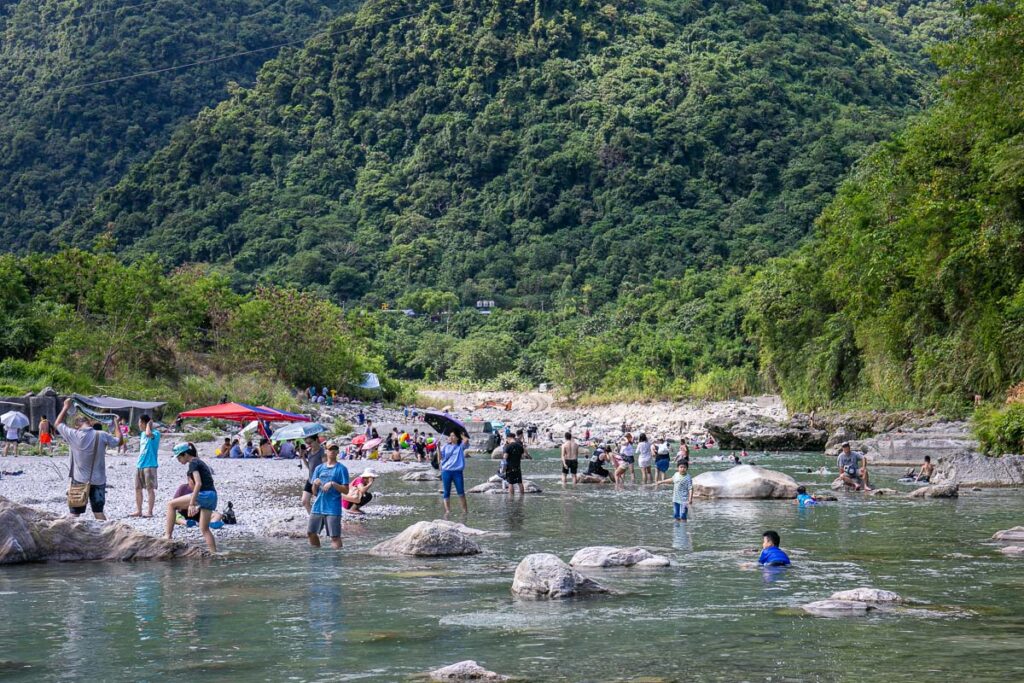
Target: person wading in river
330 482
314 456
453 463
570 458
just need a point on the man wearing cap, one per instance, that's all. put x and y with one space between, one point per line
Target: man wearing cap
330 482
88 445
359 492
203 498
853 468
314 456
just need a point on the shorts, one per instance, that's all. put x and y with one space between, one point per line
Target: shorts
207 500
145 478
599 472
97 500
307 487
363 500
317 522
628 459
452 477
571 466
661 464
45 439
514 476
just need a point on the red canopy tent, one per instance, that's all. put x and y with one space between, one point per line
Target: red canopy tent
242 412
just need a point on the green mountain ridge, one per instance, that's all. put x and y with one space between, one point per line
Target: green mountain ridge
60 144
526 152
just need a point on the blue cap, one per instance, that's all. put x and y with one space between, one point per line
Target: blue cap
180 449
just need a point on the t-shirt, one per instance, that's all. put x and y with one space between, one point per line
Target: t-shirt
236 451
13 434
627 450
594 466
328 502
148 447
358 481
681 485
645 449
849 460
453 457
287 450
662 453
205 474
514 456
773 555
805 499
313 461
89 460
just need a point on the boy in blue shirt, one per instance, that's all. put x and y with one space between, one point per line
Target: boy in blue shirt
329 480
771 554
804 499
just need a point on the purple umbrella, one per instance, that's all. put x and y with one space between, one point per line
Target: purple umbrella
445 424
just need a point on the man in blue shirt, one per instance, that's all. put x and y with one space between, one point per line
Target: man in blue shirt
453 462
771 554
330 480
145 468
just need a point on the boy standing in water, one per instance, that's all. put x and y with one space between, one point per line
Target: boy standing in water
682 492
330 480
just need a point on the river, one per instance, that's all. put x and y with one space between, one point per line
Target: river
277 610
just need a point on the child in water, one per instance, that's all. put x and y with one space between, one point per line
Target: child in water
682 492
771 554
804 499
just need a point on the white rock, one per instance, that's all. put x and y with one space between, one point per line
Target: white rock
936 491
494 486
421 475
744 481
428 539
289 526
610 556
1012 550
864 594
1014 534
543 575
468 670
837 608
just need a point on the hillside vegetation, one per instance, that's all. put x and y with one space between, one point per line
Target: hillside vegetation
60 144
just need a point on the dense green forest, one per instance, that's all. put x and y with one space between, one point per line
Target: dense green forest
80 320
912 291
61 143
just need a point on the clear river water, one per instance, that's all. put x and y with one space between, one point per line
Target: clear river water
280 611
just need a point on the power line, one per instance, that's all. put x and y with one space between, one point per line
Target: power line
243 53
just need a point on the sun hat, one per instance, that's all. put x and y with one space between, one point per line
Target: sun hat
369 473
180 449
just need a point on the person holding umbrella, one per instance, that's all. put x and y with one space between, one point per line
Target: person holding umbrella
453 463
14 421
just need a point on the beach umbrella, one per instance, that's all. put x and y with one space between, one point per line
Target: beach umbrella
445 424
298 430
14 419
370 445
359 440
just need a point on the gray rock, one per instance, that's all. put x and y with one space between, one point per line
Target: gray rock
493 485
290 526
30 535
841 435
468 670
423 475
764 433
610 556
870 595
744 481
821 496
883 492
543 575
429 539
1013 535
1012 550
969 468
837 608
498 453
593 479
936 491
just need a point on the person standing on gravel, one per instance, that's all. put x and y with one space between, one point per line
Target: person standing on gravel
314 456
570 458
88 446
145 468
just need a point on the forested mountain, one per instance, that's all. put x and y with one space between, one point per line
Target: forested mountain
528 152
60 144
912 291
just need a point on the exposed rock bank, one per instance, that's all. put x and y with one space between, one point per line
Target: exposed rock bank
30 535
759 432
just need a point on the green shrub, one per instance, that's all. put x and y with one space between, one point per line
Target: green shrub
202 435
343 427
1000 430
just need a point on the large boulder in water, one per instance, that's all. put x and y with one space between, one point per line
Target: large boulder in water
936 491
1010 535
30 535
468 670
744 481
610 556
429 539
292 525
543 575
757 432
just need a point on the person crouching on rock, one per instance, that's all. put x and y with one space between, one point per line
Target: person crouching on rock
202 500
330 483
359 493
853 468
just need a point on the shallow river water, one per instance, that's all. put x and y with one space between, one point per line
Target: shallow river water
278 611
